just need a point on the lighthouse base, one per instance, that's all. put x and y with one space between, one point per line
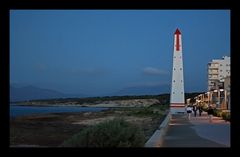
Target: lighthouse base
177 108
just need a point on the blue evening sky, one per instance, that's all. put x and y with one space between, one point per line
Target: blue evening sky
103 51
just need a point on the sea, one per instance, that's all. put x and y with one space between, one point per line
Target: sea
31 110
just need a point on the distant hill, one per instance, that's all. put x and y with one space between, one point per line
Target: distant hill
32 92
29 92
144 90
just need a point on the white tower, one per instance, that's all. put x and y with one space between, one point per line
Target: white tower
177 99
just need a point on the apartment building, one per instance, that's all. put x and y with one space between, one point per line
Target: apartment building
218 70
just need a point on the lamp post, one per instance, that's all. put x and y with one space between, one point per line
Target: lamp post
216 98
206 99
222 105
208 94
211 97
203 99
225 99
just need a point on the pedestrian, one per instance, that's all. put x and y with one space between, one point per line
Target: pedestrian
189 111
200 110
210 113
195 110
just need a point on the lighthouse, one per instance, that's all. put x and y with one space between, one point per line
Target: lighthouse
177 99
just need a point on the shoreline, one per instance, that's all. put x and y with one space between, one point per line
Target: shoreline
99 102
51 129
67 105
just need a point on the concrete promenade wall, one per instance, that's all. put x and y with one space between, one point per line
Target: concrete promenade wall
157 137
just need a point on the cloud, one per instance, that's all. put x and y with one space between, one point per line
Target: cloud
153 71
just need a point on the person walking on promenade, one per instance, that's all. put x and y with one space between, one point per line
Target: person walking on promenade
189 111
210 113
195 110
200 110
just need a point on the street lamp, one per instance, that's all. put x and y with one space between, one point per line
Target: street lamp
222 104
216 98
208 94
197 102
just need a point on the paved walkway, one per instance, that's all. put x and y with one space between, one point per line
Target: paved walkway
197 132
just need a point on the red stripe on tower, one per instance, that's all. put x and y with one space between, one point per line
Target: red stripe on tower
178 33
177 105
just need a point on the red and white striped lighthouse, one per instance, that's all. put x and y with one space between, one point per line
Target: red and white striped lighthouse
177 99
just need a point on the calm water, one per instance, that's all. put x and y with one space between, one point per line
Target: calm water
28 110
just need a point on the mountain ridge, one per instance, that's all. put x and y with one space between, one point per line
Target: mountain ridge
31 92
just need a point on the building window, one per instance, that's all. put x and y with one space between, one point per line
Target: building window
220 64
173 92
180 68
181 92
173 80
173 68
220 70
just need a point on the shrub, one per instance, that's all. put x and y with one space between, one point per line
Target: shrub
143 112
114 133
205 108
217 113
155 110
226 116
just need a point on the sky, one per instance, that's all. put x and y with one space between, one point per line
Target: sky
103 51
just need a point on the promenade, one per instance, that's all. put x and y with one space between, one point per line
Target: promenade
196 132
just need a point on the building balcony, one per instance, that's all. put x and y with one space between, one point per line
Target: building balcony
213 78
213 66
213 72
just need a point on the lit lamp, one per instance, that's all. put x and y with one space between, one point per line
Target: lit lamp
221 90
197 102
225 99
211 96
208 95
216 91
